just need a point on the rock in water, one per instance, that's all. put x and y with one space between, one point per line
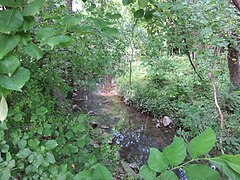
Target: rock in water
166 121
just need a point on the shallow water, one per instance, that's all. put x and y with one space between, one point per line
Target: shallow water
134 132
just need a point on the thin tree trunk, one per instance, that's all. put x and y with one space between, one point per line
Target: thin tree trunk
69 5
233 65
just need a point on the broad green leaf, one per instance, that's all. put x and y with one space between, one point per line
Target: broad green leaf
146 173
114 16
110 32
84 175
28 23
34 51
55 40
42 111
16 81
50 157
33 8
73 149
225 168
5 174
156 161
100 172
51 144
3 109
165 5
143 3
9 65
167 175
22 144
11 164
232 161
10 20
38 161
175 153
70 21
23 153
45 33
100 23
201 172
139 13
203 143
33 143
10 3
8 43
5 148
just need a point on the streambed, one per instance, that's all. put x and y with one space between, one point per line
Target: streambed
133 131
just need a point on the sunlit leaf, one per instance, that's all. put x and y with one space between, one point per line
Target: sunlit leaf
175 153
143 3
201 172
3 109
203 143
156 161
225 168
146 173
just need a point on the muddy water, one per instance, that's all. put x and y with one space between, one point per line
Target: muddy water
134 132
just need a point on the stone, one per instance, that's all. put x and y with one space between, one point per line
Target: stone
166 121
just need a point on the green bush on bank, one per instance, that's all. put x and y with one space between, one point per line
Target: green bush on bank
170 88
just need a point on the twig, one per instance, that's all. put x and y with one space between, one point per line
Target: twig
218 107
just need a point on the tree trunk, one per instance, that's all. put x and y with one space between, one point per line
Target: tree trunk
233 65
69 5
233 56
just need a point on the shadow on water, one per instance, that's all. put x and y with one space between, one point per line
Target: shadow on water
134 132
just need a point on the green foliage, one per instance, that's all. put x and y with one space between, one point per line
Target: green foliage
228 164
41 138
175 153
202 144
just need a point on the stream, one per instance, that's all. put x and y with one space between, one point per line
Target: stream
133 131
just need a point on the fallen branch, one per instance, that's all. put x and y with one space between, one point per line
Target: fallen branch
218 107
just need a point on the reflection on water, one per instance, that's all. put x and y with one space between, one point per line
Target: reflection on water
134 132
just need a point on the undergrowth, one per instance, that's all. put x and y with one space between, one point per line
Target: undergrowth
169 87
